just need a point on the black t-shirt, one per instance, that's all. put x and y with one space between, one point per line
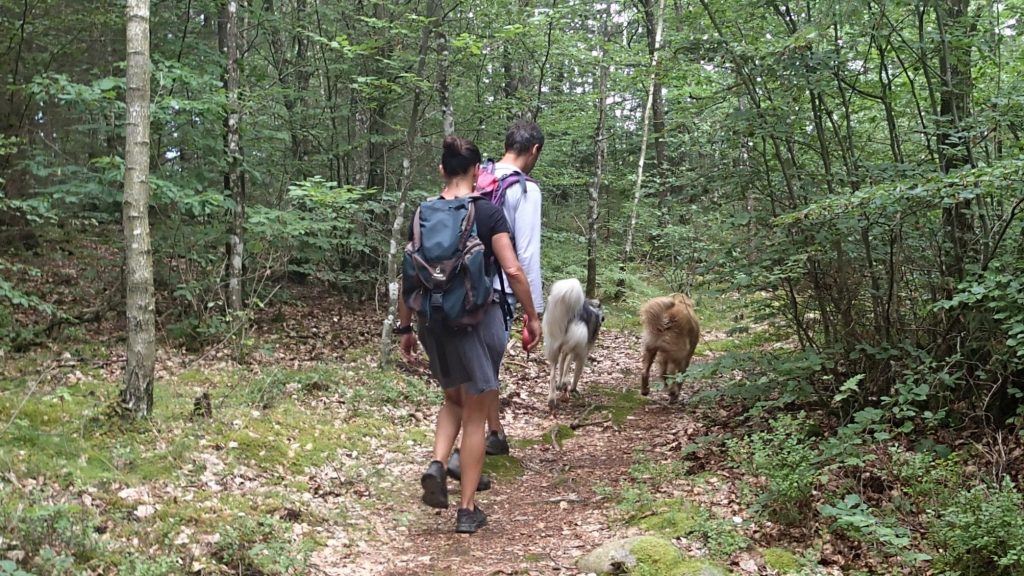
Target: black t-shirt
490 220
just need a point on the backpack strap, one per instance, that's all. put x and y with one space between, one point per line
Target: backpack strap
468 223
505 182
417 238
507 313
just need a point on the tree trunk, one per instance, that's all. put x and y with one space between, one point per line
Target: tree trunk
955 152
137 394
398 226
14 106
643 140
443 89
601 146
233 184
377 127
660 148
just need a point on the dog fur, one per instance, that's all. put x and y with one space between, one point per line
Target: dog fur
671 332
571 323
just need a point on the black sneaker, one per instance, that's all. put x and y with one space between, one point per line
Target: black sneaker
469 521
496 444
435 489
455 473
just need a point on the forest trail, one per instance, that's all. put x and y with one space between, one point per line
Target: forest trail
564 502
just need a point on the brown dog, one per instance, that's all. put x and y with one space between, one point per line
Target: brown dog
671 330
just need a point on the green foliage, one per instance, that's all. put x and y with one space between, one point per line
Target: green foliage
789 462
980 531
653 473
146 565
678 518
54 536
854 517
928 480
9 568
320 230
261 546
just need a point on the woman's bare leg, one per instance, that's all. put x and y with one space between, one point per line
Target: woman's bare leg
474 415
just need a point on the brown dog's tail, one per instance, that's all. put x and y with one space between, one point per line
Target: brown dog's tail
660 314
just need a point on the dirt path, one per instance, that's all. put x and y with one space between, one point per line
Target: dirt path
558 509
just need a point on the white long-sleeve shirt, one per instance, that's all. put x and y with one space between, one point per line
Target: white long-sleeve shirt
523 213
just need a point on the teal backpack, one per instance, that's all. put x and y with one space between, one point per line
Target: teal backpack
445 276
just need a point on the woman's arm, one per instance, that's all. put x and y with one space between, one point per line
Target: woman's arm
407 340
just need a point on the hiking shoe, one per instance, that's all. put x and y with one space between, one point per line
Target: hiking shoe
435 489
469 521
455 473
496 444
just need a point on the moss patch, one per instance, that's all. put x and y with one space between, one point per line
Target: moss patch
677 518
619 404
695 567
655 557
680 518
503 467
781 560
559 435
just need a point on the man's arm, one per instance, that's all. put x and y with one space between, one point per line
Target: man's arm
527 227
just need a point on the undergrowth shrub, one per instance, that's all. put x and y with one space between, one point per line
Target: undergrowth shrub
930 482
790 464
269 388
981 532
261 547
54 537
855 518
148 565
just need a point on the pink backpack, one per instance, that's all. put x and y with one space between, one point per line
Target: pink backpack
493 188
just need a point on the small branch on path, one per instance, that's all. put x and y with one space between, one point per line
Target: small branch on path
559 564
508 360
577 424
583 416
558 500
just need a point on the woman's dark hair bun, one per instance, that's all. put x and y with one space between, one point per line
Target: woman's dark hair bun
459 155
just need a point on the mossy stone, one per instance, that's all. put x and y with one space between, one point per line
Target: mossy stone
698 567
679 519
629 553
503 467
645 556
781 560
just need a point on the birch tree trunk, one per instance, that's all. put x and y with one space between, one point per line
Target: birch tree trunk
398 227
601 146
137 395
233 185
643 141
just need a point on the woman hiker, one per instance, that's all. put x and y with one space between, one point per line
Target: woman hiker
465 361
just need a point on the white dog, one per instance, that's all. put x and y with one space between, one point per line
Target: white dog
571 323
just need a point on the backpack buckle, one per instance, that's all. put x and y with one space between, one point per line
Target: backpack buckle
436 299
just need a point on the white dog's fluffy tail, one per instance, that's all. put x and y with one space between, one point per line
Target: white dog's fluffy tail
564 303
